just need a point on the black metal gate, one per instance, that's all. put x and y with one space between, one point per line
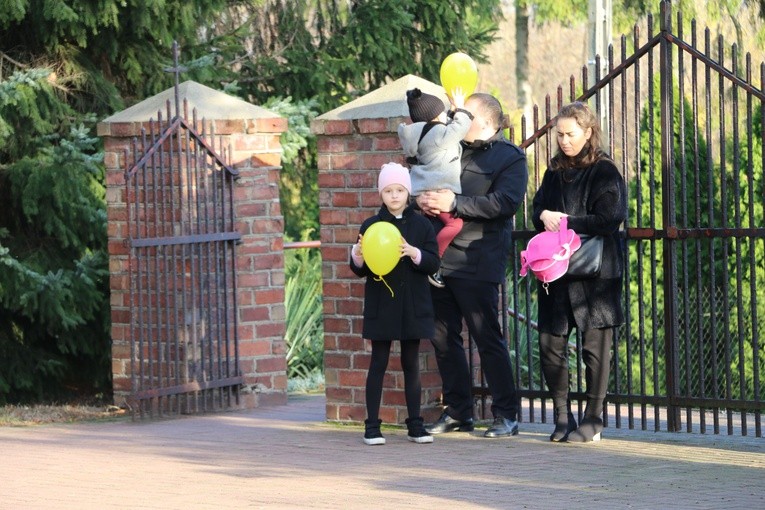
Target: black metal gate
184 349
687 126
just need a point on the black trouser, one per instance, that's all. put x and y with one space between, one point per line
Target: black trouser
476 302
410 350
596 354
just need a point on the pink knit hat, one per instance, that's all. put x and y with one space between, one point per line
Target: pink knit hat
393 173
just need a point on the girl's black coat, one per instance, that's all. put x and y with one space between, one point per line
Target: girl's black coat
595 198
408 313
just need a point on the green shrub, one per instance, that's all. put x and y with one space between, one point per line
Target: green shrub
312 383
302 295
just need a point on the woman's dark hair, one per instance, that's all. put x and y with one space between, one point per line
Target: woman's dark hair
491 110
592 150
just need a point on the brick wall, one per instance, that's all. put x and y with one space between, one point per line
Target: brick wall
255 152
350 154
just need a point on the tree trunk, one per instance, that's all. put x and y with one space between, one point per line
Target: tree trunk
740 51
523 85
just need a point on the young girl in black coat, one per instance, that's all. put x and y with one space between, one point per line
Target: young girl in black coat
398 307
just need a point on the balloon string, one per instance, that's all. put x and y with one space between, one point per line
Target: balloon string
381 279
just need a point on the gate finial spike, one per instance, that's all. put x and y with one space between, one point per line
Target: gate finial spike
176 70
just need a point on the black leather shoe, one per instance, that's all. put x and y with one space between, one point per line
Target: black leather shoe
446 423
502 427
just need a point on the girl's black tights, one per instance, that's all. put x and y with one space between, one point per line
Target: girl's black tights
410 350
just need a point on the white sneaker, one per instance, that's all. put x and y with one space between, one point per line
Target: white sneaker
374 440
420 439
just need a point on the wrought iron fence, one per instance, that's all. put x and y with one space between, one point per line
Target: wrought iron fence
687 127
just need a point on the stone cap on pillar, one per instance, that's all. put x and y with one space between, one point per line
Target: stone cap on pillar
230 114
388 101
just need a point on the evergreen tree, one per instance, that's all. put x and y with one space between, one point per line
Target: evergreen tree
62 66
104 50
299 187
321 54
54 310
335 51
66 64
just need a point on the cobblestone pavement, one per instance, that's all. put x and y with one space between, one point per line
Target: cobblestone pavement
288 457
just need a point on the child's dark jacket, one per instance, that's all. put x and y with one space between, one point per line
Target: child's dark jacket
408 313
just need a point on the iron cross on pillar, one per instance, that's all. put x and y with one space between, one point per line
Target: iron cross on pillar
176 70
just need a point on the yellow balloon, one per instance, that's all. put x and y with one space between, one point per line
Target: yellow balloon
381 247
459 71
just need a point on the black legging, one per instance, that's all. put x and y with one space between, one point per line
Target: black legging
410 350
596 354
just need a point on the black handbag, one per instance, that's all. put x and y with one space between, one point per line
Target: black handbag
586 261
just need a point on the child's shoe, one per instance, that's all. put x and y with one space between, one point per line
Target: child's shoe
436 279
417 432
372 434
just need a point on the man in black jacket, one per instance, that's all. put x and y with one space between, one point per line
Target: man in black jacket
494 177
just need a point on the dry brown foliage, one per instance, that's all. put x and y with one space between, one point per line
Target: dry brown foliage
24 416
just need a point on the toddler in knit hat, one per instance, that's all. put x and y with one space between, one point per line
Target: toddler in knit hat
432 146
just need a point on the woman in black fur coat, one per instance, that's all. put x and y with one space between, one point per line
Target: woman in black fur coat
584 185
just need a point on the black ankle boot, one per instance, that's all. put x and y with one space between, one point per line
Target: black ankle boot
372 434
589 430
417 432
564 425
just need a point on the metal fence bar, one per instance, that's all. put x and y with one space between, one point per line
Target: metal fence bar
752 259
671 349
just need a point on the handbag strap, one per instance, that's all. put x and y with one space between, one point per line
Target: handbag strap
562 230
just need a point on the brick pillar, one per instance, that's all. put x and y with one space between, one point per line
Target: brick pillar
117 142
260 261
256 154
350 154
